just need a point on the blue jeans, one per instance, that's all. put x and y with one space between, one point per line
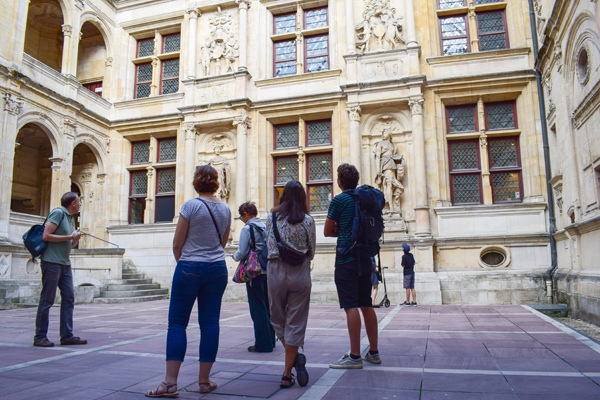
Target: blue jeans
53 276
205 282
258 300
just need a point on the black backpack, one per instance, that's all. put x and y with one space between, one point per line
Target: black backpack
367 225
33 239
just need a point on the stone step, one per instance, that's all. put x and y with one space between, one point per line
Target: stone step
133 293
23 305
136 281
146 286
131 276
105 300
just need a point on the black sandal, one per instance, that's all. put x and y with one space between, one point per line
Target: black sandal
287 382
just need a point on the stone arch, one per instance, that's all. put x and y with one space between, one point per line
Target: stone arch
96 147
44 31
98 21
48 125
93 50
584 27
87 280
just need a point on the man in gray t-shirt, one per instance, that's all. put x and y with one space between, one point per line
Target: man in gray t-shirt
61 236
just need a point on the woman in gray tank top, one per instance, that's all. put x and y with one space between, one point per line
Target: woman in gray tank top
201 273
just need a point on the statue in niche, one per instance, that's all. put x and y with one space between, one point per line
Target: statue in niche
379 29
390 171
221 164
220 45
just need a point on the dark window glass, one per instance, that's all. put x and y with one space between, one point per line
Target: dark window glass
287 169
492 32
167 150
165 208
487 1
461 119
172 43
287 136
319 167
170 76
319 133
143 80
145 47
466 189
506 186
166 181
464 155
141 152
319 197
500 116
503 153
465 173
139 183
136 211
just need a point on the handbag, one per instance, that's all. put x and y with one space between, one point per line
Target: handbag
250 267
33 239
286 253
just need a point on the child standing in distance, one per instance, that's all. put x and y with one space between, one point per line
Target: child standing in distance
408 263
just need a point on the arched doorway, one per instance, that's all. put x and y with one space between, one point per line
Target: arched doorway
84 182
43 34
32 171
91 57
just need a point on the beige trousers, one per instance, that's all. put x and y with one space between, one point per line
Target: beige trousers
289 298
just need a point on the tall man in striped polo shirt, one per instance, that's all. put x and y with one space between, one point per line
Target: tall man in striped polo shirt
352 273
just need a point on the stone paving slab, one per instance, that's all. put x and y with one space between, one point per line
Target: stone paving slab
428 353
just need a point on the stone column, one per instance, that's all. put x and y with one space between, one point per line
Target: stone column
422 206
149 212
190 162
107 81
409 20
242 123
12 108
485 164
67 49
56 183
193 15
244 5
354 115
350 35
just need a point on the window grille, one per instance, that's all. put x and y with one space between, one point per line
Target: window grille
317 51
285 23
172 43
500 116
145 47
141 152
166 181
454 35
461 119
316 18
167 150
319 167
287 170
287 136
319 133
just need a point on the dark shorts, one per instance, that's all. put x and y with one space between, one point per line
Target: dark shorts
409 281
353 285
374 280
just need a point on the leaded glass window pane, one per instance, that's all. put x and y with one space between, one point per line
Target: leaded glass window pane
445 4
319 167
144 73
287 170
503 153
500 116
490 22
455 46
167 150
316 18
487 1
492 42
166 181
141 152
171 68
317 64
137 211
285 50
319 133
506 187
287 136
171 86
142 91
454 26
464 155
172 43
146 48
285 23
320 197
316 45
466 189
285 68
139 183
461 119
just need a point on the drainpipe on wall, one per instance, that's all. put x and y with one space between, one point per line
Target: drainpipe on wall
548 170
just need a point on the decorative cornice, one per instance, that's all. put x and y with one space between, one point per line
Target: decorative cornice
67 30
587 107
243 4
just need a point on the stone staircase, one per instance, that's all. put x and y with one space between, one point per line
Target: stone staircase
135 287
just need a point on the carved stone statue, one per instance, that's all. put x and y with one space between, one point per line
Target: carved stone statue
379 29
223 168
390 171
220 45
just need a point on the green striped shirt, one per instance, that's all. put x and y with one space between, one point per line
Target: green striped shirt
341 210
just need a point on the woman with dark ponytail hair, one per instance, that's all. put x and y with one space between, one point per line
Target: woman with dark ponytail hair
289 286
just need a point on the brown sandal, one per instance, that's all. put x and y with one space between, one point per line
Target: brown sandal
211 386
154 392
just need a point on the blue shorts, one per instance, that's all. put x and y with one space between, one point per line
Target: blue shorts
374 280
409 281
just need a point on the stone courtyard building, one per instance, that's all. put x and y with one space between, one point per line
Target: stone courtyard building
434 101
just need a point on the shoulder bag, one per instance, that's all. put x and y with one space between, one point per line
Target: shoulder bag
286 253
33 239
250 267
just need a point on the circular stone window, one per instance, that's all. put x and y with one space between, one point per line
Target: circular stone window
494 257
31 267
583 66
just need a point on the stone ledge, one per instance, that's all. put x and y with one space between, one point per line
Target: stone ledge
309 76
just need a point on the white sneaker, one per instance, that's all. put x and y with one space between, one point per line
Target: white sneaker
372 358
346 362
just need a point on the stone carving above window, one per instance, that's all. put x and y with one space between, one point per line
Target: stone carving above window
220 45
380 29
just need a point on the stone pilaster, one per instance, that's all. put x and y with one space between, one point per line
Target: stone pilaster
242 123
189 164
350 34
244 5
8 124
67 49
56 182
149 212
420 167
409 20
155 86
472 22
355 144
485 165
193 14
